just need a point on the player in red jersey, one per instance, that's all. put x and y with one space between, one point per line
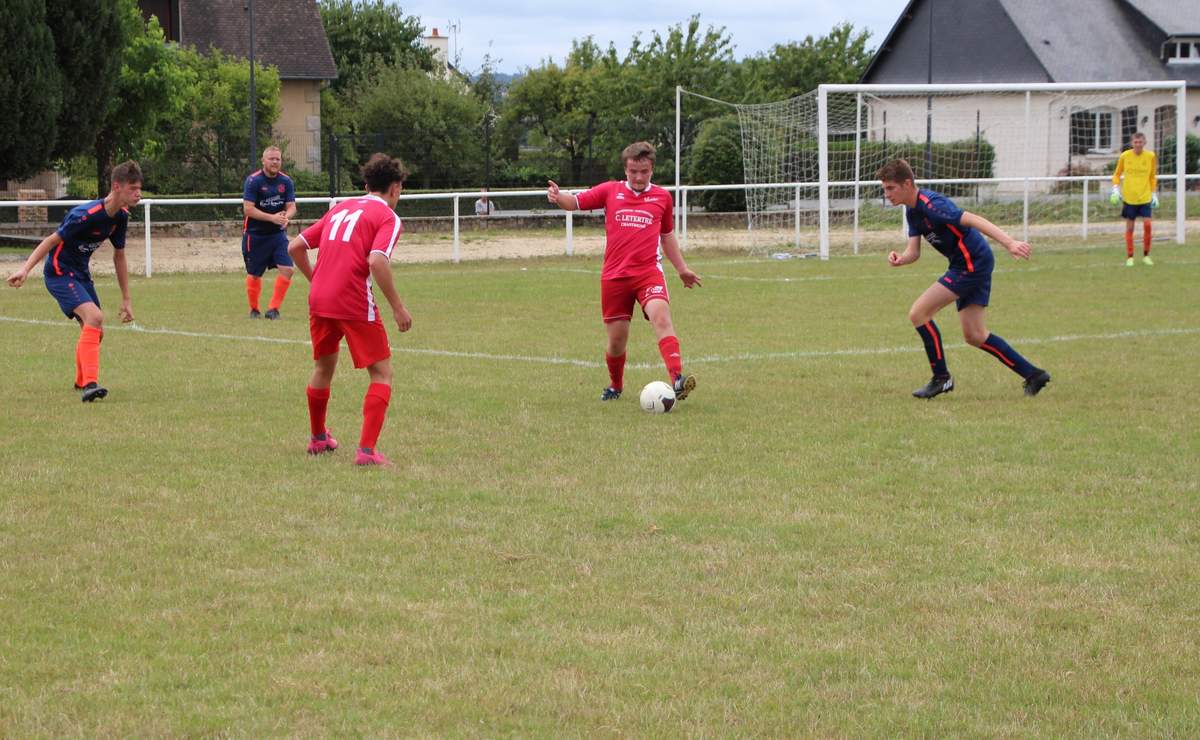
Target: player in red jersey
356 238
639 226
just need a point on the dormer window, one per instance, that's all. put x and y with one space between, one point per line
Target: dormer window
1182 51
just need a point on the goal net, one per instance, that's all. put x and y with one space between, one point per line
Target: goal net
1036 160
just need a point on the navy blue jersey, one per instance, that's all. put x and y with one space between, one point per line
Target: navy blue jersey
936 218
83 230
269 195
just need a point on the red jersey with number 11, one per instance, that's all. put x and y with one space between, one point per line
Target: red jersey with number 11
633 224
347 235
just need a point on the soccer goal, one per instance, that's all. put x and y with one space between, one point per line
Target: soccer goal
1034 158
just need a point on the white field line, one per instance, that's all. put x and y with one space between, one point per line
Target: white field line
590 364
891 275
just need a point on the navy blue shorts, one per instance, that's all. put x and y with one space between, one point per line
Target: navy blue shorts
1131 211
261 252
972 288
71 292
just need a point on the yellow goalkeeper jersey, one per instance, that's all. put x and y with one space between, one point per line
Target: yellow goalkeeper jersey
1141 176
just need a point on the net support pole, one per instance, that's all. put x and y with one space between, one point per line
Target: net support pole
857 160
797 216
1028 164
1180 160
823 168
146 212
456 236
570 233
683 214
678 144
1087 186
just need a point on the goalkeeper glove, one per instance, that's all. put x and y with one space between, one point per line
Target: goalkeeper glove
1115 198
1154 201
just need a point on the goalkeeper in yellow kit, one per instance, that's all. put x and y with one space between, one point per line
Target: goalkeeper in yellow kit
1140 168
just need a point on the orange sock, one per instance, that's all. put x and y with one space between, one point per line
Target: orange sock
1128 243
88 350
1145 238
254 290
281 287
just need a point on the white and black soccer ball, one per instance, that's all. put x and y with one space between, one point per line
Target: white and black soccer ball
657 397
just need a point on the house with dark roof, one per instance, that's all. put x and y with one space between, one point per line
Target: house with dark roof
1036 41
288 35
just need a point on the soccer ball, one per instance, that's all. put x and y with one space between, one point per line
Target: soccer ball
657 397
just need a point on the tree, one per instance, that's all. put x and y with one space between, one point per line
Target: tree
148 89
89 36
31 90
367 35
685 56
569 106
793 69
206 133
716 159
432 124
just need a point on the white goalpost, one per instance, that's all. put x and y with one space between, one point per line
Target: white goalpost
1034 158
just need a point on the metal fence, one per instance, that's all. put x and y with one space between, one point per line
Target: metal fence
1078 212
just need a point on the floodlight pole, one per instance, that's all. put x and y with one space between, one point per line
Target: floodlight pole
678 150
253 94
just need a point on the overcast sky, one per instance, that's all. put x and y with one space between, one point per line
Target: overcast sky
521 34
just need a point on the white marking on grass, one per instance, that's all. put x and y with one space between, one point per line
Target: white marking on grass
590 364
285 340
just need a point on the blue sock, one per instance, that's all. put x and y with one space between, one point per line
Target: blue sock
933 348
998 348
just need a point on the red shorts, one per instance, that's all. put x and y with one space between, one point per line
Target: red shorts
367 340
618 294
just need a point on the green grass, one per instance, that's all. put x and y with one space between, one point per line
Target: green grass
801 549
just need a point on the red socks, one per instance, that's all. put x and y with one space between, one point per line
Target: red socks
281 289
616 370
1145 240
668 347
254 290
87 356
318 402
375 406
1129 244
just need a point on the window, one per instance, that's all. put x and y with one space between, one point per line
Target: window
1164 124
1092 131
1182 51
1129 121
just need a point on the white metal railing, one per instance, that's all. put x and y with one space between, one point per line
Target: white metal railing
682 205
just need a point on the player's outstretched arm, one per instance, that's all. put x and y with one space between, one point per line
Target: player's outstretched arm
298 251
121 266
1020 250
381 274
565 201
911 253
670 246
39 253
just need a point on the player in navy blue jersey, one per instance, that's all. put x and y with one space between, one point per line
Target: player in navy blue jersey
268 202
67 274
958 236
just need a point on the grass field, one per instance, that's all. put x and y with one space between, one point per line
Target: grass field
800 549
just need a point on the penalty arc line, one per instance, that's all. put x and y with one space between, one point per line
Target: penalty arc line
589 364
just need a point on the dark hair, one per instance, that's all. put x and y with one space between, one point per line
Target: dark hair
638 150
381 171
126 173
897 171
